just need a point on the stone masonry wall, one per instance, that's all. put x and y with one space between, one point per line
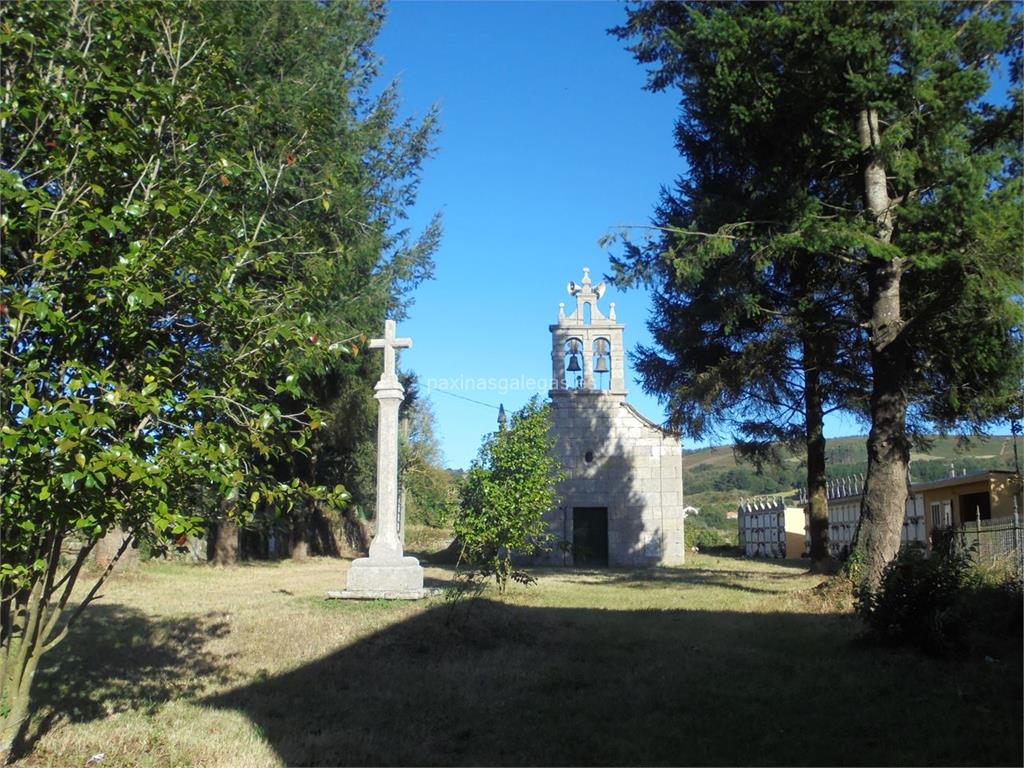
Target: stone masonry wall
634 469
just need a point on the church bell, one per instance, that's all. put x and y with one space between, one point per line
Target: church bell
574 356
601 348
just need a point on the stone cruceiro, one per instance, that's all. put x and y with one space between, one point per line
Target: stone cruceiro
386 573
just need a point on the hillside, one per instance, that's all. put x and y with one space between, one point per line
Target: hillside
847 450
715 482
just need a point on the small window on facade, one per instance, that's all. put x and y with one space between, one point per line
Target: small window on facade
942 514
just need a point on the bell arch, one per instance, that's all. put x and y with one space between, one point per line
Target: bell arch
601 350
586 344
573 363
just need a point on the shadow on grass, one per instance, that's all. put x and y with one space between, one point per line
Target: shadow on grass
732 553
118 659
489 683
755 582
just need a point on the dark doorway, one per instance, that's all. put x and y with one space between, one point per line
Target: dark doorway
975 505
590 536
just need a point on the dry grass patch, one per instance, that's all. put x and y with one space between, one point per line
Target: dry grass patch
724 661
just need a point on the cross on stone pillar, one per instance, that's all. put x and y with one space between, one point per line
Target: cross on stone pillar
389 394
386 573
389 344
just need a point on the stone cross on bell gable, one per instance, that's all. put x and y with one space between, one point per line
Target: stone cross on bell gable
389 344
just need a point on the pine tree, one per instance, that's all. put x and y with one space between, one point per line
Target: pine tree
843 217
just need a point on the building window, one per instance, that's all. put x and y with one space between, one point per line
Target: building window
975 506
942 514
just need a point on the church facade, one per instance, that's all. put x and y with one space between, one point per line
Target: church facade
622 497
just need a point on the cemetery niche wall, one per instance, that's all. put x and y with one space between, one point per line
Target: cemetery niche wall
966 503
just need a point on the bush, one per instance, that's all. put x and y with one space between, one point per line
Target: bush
705 538
509 487
936 603
997 601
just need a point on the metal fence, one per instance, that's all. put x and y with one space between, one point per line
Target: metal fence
995 541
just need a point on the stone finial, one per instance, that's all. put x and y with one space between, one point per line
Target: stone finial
583 288
611 310
561 310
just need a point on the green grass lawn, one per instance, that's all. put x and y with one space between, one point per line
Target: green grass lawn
724 661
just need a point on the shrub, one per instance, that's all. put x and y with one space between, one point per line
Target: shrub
706 538
936 603
509 487
916 601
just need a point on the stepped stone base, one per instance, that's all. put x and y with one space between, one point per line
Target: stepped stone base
376 594
384 579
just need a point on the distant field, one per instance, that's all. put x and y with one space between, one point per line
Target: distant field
722 662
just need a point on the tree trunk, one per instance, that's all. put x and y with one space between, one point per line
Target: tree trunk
35 630
224 542
13 723
358 534
817 494
108 547
19 671
326 539
8 601
877 538
300 547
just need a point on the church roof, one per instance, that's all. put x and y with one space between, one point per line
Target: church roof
661 428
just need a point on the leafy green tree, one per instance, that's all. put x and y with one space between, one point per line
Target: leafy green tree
429 490
179 252
848 208
309 67
940 188
508 488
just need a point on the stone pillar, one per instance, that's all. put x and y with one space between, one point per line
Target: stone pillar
385 543
558 362
618 361
588 360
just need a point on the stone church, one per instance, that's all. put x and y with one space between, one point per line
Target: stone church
621 498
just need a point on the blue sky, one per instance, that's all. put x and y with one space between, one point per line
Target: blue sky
548 141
